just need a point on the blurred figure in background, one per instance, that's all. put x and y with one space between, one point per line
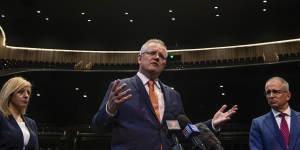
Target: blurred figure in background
17 132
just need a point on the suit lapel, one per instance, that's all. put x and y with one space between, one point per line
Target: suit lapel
18 130
294 129
145 97
166 98
271 125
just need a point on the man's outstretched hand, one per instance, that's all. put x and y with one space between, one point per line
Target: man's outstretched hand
220 117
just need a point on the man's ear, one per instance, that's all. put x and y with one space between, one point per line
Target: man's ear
139 58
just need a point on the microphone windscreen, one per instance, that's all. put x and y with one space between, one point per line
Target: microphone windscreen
183 120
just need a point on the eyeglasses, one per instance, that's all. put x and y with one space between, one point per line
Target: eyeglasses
154 53
275 92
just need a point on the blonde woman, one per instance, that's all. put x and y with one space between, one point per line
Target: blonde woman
17 132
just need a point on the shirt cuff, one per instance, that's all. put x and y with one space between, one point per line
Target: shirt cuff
213 127
110 114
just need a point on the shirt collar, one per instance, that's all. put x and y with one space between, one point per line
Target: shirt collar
145 79
287 112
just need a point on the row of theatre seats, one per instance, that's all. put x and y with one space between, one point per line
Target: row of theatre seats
6 64
82 138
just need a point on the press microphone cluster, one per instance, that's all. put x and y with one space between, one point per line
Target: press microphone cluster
191 132
173 129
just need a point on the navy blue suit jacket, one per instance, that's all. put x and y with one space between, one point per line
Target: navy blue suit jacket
11 136
136 127
265 133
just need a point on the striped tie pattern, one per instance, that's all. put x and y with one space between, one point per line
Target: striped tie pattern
284 129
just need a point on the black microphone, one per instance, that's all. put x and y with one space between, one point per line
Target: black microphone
208 137
173 128
191 132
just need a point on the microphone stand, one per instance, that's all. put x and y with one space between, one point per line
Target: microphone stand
177 145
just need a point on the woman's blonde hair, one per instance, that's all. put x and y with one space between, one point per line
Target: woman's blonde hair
9 88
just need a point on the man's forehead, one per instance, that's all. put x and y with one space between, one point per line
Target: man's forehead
274 82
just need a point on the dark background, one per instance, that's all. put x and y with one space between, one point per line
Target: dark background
196 24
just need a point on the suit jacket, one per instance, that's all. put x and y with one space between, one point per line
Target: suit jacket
265 133
11 136
136 126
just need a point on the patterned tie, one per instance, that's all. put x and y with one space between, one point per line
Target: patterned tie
284 129
153 98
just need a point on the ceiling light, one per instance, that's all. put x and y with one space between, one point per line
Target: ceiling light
2 16
170 11
38 94
76 89
217 15
38 12
223 94
47 19
216 7
126 13
264 1
89 20
221 86
83 13
85 96
173 19
264 10
131 20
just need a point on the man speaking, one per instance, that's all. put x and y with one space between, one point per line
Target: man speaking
133 108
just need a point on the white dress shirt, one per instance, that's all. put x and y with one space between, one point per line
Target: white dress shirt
157 90
287 117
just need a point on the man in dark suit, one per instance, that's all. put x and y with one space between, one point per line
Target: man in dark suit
135 115
279 129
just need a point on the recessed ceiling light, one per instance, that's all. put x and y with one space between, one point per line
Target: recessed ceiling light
83 13
264 10
216 7
173 19
77 89
85 96
264 1
38 94
131 20
223 94
89 20
170 10
217 15
126 13
221 86
47 19
38 11
2 16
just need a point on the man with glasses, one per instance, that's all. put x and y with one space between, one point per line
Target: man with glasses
134 108
280 128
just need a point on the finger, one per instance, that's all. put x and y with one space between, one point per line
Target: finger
123 99
122 94
119 89
222 108
116 83
235 107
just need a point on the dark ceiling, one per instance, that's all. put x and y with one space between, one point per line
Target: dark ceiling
125 25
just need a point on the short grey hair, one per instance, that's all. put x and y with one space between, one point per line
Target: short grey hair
285 83
145 45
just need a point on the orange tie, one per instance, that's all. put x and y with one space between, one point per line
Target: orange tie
153 98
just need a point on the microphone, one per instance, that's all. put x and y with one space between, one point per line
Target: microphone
191 132
173 129
208 137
